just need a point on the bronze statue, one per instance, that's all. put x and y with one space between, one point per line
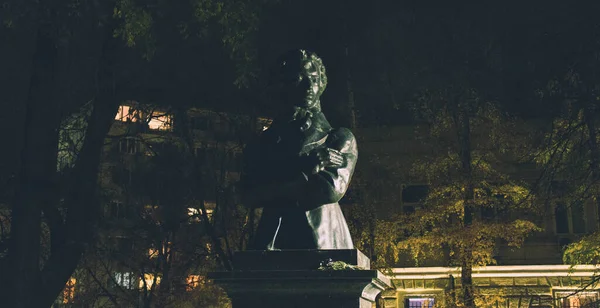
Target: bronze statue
300 167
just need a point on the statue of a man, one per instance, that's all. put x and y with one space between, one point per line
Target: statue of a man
300 167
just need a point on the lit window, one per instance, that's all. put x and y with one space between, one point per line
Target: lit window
264 123
195 214
148 281
419 302
127 114
69 292
194 281
582 299
152 253
160 121
155 252
124 280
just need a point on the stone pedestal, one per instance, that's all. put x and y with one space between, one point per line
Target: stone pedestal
291 278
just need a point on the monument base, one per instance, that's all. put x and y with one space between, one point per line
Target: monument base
292 278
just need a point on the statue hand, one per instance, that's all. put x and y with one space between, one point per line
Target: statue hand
326 158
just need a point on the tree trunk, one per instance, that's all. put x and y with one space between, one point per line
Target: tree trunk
38 165
83 206
462 119
589 114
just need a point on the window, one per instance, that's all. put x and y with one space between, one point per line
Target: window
201 123
566 299
264 123
206 153
160 121
69 291
148 281
194 281
119 210
151 212
194 214
124 280
166 251
412 197
127 114
425 302
129 146
414 193
570 219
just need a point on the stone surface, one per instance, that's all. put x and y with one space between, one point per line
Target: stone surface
291 279
267 260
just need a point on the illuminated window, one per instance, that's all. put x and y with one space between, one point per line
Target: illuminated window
124 280
150 211
127 114
152 253
580 300
194 281
264 123
69 291
419 302
160 121
195 214
166 250
148 281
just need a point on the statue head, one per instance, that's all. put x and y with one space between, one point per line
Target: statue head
301 77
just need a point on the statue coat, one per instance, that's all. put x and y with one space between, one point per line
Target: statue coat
300 209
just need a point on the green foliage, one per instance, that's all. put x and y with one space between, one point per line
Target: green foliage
71 135
569 153
135 26
237 23
492 198
585 251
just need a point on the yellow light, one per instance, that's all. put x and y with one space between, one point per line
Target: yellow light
69 291
194 281
160 121
149 279
497 271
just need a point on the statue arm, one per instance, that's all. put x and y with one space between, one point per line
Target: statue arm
258 184
311 189
330 184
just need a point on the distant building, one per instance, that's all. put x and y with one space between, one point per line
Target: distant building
530 276
212 141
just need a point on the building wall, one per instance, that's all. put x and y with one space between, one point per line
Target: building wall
503 286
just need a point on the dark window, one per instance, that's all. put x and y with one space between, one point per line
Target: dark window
563 242
201 123
414 193
129 146
562 219
577 215
118 210
408 209
488 212
115 208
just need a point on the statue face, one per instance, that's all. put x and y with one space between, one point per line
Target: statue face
301 89
302 79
